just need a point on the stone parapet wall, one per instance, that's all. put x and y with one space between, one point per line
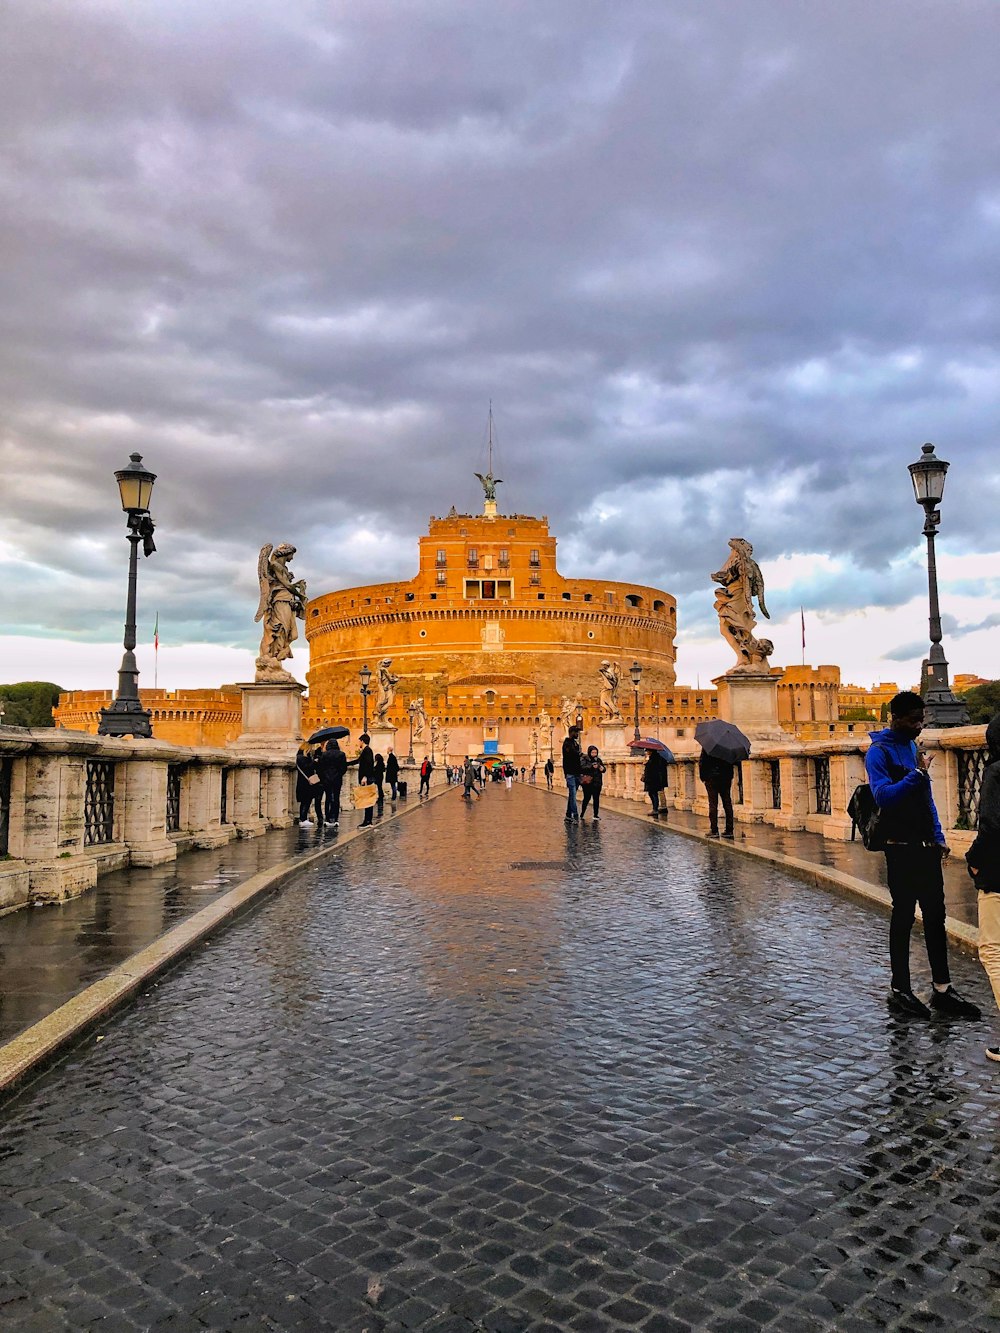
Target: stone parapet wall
182 717
75 806
813 781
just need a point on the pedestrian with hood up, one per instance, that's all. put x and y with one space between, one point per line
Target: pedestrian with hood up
331 765
468 778
308 787
592 770
392 773
654 779
915 849
717 776
983 859
571 759
366 775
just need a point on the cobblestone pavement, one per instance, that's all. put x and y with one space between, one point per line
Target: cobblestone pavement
48 954
486 1071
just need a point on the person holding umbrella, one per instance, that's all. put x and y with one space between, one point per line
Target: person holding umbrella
331 765
723 746
654 774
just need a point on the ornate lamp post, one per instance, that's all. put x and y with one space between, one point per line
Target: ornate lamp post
365 676
411 708
635 671
126 716
941 708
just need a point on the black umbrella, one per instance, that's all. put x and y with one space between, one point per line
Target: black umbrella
328 734
721 740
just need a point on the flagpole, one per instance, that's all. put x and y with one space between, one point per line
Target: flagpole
156 652
802 615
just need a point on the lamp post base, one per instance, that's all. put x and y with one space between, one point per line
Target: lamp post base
126 717
942 709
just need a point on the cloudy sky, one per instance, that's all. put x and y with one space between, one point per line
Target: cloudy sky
722 268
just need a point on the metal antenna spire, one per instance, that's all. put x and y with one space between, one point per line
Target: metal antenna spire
491 436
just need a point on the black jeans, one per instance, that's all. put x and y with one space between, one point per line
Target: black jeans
333 801
915 876
590 793
315 797
717 793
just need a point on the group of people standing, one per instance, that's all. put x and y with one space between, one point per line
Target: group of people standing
320 773
583 772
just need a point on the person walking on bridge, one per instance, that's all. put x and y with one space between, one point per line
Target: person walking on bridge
983 859
366 775
899 777
331 765
426 769
571 771
392 773
592 770
654 779
549 771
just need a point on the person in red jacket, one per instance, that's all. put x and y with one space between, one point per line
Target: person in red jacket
426 769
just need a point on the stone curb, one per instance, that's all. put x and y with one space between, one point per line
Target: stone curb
38 1045
823 876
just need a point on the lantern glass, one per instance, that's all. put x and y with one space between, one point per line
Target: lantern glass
635 671
366 675
928 474
135 485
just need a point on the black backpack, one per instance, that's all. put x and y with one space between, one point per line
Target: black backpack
865 815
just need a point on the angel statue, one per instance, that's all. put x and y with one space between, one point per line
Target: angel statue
282 599
419 718
569 709
385 690
489 484
611 674
741 582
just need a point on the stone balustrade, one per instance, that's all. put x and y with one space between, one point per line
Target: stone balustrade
74 806
795 784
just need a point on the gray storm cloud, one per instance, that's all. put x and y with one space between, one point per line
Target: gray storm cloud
720 268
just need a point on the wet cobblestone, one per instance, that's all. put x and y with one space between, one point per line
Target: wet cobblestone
655 1088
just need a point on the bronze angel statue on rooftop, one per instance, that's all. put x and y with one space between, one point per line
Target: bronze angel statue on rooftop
489 484
282 600
741 582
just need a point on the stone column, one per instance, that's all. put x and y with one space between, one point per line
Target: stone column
614 740
279 796
272 718
53 841
141 794
247 798
204 805
794 792
749 699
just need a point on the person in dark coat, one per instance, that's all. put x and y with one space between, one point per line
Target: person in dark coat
915 851
592 770
331 765
717 776
392 772
654 779
549 771
307 791
426 769
983 859
571 771
366 775
380 779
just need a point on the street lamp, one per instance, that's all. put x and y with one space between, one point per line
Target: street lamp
126 716
365 675
635 671
941 708
412 708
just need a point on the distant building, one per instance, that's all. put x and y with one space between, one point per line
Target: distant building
183 717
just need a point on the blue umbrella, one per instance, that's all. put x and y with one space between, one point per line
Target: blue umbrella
649 743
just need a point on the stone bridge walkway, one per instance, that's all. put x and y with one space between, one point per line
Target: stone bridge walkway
484 1071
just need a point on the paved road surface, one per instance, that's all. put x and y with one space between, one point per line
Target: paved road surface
483 1071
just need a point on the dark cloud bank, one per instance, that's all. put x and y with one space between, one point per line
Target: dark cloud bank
722 268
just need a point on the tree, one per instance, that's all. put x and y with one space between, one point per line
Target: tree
29 703
857 715
982 701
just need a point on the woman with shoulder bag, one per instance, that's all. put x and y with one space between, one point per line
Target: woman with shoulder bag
308 787
983 859
592 770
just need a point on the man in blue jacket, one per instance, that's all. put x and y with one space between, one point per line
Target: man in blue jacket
915 849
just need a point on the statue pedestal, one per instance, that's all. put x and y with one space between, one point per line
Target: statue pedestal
616 736
272 718
383 735
749 699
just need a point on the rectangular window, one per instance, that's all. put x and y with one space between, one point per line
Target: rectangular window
534 560
99 803
442 557
504 557
6 768
609 598
535 579
472 587
174 798
504 588
488 589
442 579
473 557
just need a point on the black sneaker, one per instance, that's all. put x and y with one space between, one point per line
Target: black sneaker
993 1053
730 835
712 833
906 1003
951 1005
